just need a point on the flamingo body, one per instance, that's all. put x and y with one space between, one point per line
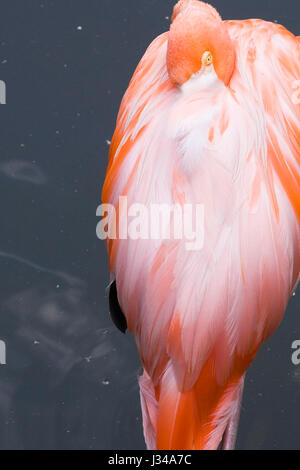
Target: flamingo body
229 140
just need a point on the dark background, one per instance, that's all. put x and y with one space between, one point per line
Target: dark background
70 379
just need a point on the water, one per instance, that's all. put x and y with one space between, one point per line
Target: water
70 379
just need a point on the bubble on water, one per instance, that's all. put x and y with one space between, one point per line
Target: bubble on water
23 171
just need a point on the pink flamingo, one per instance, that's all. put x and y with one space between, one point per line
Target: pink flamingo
210 117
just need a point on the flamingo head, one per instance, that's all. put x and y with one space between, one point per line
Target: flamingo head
198 44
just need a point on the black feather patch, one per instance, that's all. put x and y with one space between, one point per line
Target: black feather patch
115 310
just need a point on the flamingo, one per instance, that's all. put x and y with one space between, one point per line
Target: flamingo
210 117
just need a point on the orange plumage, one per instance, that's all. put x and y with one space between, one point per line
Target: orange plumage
209 118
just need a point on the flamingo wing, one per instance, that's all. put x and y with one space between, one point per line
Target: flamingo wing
199 317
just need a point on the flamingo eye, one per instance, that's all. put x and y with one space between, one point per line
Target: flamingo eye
207 59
